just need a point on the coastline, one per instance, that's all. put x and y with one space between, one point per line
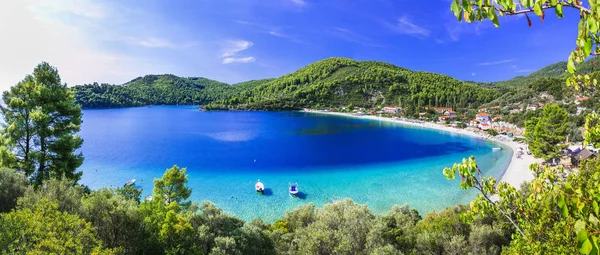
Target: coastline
517 171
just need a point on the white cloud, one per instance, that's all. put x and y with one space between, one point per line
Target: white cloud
496 62
234 46
405 26
238 60
231 48
300 3
473 74
86 40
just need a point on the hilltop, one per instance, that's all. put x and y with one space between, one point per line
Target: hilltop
343 81
164 89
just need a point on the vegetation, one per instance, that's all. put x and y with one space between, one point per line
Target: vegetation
41 121
547 133
157 90
552 214
335 82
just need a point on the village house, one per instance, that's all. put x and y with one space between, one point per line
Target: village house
483 117
584 154
532 108
474 123
581 99
482 121
392 110
442 110
450 114
443 118
483 110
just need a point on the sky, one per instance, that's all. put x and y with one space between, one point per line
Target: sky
114 41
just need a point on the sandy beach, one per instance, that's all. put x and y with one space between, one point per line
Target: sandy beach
518 169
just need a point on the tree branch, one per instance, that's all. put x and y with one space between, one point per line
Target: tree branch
510 13
479 187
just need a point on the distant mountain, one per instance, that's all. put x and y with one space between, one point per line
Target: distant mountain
157 90
343 81
557 70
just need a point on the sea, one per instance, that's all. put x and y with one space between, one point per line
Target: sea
331 158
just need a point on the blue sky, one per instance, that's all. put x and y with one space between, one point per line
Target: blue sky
238 40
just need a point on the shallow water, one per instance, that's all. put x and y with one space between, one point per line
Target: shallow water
331 157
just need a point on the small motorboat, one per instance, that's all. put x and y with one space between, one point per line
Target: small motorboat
129 183
294 189
260 187
496 149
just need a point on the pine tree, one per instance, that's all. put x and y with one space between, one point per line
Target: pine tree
41 125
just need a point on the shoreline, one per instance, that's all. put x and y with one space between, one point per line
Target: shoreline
517 171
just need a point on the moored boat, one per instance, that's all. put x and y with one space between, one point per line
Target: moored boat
294 189
496 148
260 187
129 183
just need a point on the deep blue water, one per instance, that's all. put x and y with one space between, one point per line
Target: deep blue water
331 157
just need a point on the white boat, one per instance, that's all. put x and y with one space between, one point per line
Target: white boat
260 187
129 183
496 148
294 189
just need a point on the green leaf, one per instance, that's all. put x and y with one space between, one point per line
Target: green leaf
456 9
561 200
559 11
595 203
537 9
553 2
587 46
494 17
564 211
579 226
583 243
592 25
593 220
571 69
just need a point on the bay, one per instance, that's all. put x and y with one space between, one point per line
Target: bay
373 162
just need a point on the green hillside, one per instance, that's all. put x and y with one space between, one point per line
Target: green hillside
557 70
157 90
342 81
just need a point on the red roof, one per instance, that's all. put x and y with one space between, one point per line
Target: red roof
582 98
485 125
482 114
444 117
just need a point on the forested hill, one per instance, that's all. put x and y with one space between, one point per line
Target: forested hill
556 70
157 90
343 81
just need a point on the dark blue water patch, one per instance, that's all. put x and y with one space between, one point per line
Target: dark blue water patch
248 141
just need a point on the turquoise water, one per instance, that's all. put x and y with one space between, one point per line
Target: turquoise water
331 157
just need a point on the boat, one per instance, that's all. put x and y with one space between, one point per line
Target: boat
260 187
294 189
496 148
129 183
